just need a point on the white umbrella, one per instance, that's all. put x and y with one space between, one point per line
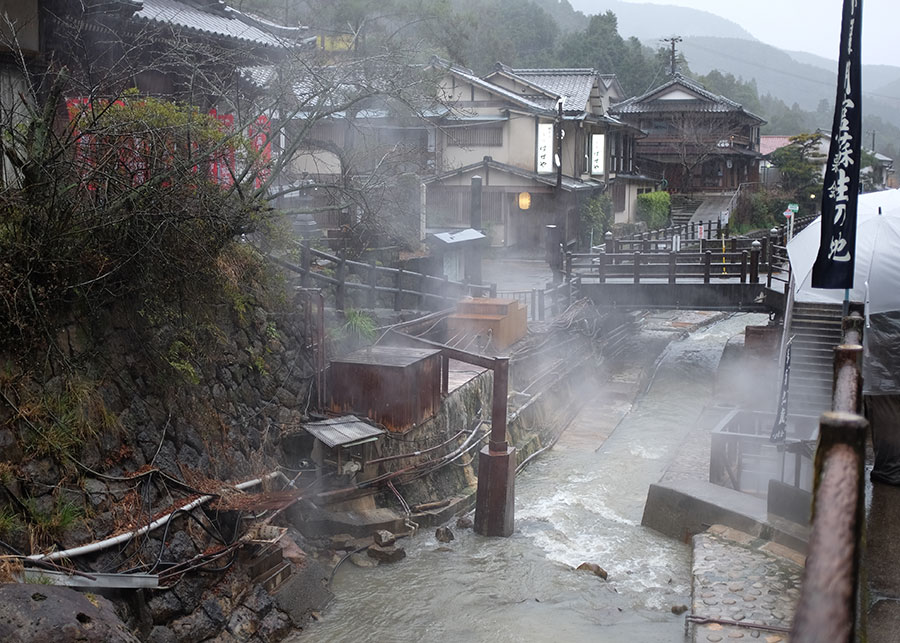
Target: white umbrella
876 278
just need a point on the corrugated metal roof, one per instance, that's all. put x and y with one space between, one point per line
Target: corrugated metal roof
224 23
342 431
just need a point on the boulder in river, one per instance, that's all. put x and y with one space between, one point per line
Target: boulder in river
389 554
443 534
593 567
384 538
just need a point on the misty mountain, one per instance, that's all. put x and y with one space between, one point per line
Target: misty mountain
654 21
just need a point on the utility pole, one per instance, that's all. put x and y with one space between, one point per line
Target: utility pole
873 140
672 41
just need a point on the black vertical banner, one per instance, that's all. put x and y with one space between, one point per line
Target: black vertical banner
779 429
837 248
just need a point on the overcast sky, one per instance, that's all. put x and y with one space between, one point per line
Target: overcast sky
810 25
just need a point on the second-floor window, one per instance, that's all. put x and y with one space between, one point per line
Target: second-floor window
475 137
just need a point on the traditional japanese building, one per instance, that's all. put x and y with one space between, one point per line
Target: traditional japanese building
697 141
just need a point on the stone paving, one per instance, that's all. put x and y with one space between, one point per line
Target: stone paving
739 582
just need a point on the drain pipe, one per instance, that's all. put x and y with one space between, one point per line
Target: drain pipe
159 522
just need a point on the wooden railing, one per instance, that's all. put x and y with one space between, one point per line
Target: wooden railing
671 267
827 607
369 285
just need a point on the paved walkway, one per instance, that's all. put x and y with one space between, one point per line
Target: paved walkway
743 587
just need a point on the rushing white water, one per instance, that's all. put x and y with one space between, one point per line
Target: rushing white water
574 504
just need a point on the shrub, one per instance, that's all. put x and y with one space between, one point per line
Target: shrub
653 209
129 201
596 219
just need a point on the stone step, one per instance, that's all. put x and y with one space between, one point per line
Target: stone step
739 581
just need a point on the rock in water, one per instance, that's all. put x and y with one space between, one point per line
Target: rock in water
363 561
384 538
443 534
593 567
389 554
40 613
679 609
464 522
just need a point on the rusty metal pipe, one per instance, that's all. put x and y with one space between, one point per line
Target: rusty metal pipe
826 610
847 384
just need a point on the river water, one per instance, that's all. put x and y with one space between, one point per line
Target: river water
579 502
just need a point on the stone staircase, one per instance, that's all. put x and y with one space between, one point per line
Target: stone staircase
816 329
683 207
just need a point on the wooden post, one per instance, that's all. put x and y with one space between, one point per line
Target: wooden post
339 289
568 266
445 375
493 291
540 305
398 289
610 243
743 266
601 268
707 264
373 282
305 263
754 262
673 266
637 267
533 304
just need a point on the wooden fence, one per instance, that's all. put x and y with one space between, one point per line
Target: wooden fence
368 285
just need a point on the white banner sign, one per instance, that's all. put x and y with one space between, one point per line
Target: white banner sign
598 153
545 148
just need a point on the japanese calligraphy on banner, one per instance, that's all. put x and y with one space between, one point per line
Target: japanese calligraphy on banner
837 247
598 153
545 148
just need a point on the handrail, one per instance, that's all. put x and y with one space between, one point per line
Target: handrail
370 274
826 610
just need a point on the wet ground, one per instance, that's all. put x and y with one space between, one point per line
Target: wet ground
580 502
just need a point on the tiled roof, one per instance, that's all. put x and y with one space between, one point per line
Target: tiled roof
221 21
572 85
706 101
469 76
768 144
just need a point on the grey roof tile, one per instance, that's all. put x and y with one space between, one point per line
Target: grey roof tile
224 23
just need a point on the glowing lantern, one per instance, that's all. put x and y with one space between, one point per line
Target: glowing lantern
524 200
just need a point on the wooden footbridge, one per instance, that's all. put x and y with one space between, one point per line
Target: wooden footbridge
690 266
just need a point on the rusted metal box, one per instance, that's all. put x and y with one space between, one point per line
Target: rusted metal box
504 319
395 386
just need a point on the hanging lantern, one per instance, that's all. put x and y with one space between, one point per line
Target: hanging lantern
524 200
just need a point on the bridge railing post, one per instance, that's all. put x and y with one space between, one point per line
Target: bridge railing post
601 267
754 262
707 265
673 266
743 266
637 267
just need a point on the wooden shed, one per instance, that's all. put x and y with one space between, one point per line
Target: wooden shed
395 386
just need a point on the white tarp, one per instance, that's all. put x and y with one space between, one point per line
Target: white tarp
876 282
877 270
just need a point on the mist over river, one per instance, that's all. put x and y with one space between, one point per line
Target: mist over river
579 502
